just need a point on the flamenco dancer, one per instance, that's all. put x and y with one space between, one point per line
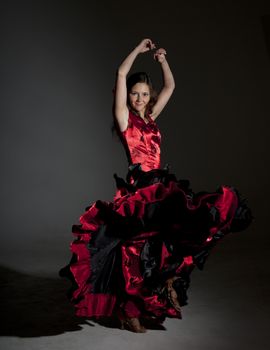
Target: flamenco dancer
132 257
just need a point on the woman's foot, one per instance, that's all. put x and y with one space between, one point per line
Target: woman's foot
172 295
133 325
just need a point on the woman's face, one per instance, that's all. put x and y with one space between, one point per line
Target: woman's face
139 97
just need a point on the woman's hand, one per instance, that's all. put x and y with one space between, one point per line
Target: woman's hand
159 55
145 45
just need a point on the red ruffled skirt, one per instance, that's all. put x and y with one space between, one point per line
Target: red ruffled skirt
156 230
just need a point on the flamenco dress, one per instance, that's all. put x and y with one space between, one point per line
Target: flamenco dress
155 230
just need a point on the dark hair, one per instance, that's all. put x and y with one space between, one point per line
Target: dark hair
133 79
142 77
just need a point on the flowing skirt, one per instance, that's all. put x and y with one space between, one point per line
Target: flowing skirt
133 256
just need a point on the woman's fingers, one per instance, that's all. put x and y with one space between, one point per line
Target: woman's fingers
151 45
161 51
160 57
146 45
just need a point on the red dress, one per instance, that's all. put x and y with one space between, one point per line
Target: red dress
156 229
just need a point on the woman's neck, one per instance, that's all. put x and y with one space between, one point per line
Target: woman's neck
141 114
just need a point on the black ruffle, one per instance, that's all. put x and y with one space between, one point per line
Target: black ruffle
169 222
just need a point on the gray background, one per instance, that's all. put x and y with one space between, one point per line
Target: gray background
58 64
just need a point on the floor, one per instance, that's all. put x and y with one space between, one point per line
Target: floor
229 306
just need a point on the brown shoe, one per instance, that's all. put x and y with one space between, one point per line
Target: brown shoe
172 295
133 325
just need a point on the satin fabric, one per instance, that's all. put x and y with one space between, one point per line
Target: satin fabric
155 228
142 142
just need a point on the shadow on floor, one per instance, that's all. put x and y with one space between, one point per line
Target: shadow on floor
33 306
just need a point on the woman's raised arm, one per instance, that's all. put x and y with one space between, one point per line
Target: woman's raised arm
120 103
168 83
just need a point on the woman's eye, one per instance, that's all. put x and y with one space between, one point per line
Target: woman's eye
145 94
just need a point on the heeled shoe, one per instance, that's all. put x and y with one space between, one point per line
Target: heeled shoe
172 295
133 325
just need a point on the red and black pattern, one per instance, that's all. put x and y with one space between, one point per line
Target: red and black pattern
156 229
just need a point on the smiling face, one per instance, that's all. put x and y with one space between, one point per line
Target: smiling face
139 97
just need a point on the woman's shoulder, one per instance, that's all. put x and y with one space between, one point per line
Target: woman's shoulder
130 122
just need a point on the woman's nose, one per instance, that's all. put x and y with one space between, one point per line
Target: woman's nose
138 97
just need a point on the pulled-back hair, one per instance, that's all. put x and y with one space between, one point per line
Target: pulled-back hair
133 79
142 77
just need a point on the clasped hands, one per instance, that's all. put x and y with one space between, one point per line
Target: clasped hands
147 44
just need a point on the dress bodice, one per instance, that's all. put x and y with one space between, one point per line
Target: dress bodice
142 142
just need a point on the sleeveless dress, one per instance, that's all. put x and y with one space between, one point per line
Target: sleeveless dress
155 230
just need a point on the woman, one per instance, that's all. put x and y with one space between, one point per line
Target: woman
133 256
141 93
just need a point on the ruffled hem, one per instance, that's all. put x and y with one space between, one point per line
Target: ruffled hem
155 229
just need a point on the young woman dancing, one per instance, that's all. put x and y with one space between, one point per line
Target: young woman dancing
132 257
